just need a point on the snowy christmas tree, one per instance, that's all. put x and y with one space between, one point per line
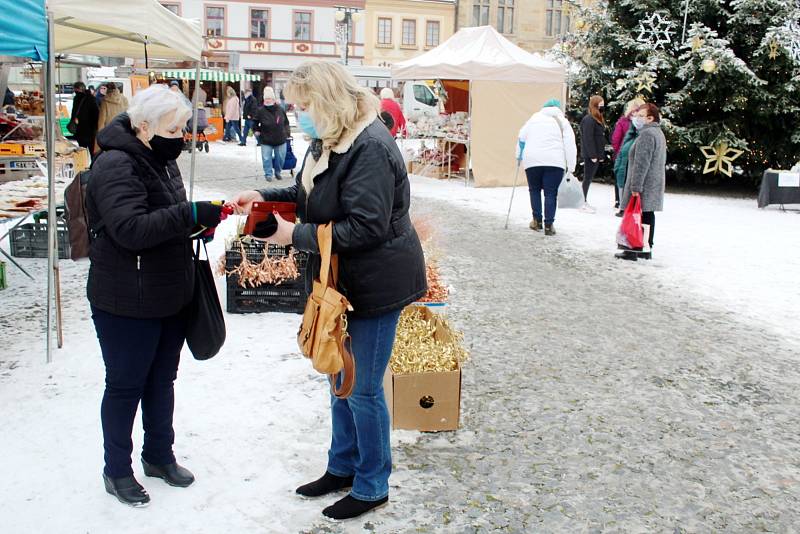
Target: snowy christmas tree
725 72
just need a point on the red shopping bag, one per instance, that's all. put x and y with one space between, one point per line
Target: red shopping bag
630 233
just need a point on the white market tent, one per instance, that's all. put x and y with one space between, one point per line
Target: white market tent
122 28
506 85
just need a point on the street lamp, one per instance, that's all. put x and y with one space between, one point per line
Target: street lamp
344 16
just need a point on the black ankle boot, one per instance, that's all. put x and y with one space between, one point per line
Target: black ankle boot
327 484
350 507
127 490
549 230
629 255
173 474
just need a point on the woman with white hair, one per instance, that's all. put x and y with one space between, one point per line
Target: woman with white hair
141 282
354 176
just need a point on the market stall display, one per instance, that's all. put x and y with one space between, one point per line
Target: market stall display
498 85
779 187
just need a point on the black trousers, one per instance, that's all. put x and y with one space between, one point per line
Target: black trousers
589 170
649 217
141 358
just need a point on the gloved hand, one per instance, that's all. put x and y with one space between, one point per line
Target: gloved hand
521 144
209 214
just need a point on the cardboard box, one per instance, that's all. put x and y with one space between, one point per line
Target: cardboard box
429 402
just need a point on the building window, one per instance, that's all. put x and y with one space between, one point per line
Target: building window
505 16
259 23
556 23
384 31
215 21
409 32
480 12
432 33
302 25
175 8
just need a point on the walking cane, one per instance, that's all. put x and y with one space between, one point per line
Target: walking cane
510 202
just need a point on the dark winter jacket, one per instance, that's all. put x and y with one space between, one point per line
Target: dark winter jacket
272 124
84 109
593 138
366 193
621 163
141 258
250 107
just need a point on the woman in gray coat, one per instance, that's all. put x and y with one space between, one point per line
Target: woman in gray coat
646 175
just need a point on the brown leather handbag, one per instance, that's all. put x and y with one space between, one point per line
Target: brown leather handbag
323 335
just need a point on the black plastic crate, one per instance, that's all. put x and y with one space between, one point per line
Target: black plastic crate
30 240
288 297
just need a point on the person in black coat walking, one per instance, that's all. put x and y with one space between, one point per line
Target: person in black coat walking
249 109
141 281
593 144
85 114
353 175
272 130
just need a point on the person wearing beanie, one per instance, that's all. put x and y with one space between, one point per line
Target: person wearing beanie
546 148
389 105
271 126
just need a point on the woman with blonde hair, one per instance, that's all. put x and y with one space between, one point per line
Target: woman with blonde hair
232 116
354 176
593 144
621 128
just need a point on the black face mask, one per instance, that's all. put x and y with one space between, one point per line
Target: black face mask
166 148
601 108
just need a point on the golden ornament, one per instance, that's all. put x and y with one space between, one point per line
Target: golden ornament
773 49
709 65
644 82
580 24
719 158
697 43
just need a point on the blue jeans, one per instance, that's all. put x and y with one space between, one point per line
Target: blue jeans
141 358
232 127
272 157
360 444
248 125
547 179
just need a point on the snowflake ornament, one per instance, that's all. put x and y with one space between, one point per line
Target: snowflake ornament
655 30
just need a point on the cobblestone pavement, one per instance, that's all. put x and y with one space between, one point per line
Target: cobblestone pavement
595 400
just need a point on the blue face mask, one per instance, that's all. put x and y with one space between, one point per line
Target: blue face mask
638 122
307 124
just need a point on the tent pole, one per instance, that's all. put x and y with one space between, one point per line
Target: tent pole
194 129
50 130
469 141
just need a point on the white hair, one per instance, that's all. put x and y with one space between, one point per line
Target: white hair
387 93
151 104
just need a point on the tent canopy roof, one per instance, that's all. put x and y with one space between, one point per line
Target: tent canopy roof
23 30
121 29
480 53
208 75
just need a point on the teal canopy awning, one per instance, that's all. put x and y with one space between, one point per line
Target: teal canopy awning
207 75
23 30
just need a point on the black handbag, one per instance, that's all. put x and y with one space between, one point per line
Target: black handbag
72 125
206 333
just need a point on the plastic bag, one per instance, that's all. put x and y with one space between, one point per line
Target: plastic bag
570 193
206 332
630 234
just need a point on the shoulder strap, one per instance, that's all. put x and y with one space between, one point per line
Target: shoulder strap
329 265
561 131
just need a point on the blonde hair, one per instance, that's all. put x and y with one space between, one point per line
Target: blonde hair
633 105
333 98
230 91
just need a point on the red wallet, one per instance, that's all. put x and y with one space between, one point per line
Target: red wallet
261 210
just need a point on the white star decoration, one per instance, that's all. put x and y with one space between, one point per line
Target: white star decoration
655 30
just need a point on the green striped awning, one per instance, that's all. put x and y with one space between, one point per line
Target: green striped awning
210 75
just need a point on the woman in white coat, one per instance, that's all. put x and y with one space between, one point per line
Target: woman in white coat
547 151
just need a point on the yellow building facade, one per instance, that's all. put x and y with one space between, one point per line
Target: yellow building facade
397 30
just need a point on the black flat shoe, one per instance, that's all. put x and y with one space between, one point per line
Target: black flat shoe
629 255
350 507
325 485
173 474
645 255
127 491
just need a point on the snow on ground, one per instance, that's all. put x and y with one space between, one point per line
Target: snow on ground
725 251
253 422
